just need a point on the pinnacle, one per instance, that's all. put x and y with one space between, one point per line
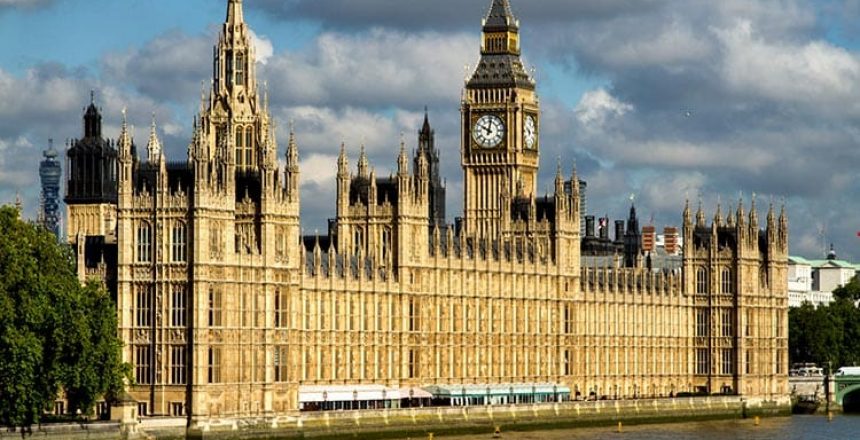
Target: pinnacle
235 14
500 16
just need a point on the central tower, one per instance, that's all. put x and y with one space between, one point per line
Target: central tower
500 126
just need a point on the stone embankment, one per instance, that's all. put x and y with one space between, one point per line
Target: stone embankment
420 422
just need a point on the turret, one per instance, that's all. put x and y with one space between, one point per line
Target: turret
153 147
363 163
292 167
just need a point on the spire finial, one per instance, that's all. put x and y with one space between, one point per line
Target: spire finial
154 145
234 12
93 97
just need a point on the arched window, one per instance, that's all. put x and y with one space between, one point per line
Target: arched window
385 244
727 281
249 146
240 69
144 243
179 244
701 281
358 241
239 146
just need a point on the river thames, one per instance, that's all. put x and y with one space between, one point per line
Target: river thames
781 428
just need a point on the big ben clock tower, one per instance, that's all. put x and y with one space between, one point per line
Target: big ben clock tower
500 126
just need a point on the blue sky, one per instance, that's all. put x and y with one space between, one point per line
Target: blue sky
663 99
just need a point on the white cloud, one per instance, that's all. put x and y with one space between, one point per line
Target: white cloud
319 169
597 106
263 47
809 73
380 68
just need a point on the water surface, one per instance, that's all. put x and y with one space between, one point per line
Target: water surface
781 428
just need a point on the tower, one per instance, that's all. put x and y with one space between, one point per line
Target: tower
92 184
50 171
500 116
430 154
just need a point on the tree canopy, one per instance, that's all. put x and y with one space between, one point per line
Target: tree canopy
56 336
828 333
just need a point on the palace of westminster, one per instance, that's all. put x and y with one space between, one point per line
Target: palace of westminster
227 311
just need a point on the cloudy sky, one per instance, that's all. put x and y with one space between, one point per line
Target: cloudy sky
664 99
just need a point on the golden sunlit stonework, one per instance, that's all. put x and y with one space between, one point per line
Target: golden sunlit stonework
228 312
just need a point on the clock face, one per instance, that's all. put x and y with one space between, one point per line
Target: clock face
530 132
489 131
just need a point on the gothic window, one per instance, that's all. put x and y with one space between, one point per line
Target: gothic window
248 151
144 243
281 363
414 314
281 309
214 375
702 281
727 323
385 244
413 364
249 146
749 362
177 306
215 242
240 69
726 279
240 156
179 248
702 361
229 67
214 307
142 364
358 241
567 362
701 323
143 305
177 365
727 364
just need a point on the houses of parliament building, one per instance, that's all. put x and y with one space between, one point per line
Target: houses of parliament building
227 311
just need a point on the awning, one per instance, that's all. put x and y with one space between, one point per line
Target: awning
346 393
414 393
446 391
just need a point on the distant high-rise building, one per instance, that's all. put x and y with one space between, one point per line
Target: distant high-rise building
50 172
671 240
649 238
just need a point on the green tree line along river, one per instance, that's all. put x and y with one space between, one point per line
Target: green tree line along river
57 337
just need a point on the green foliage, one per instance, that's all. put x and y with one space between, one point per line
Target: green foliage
829 333
850 291
55 335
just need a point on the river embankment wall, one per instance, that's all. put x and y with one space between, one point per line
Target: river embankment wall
441 421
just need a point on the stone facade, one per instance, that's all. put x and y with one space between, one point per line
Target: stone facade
226 310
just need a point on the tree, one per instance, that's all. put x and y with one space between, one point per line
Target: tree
55 334
850 291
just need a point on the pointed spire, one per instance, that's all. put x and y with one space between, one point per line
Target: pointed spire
342 162
19 203
500 17
124 135
363 163
688 218
403 158
753 213
771 217
700 216
718 216
783 217
235 15
425 129
740 215
293 149
154 146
